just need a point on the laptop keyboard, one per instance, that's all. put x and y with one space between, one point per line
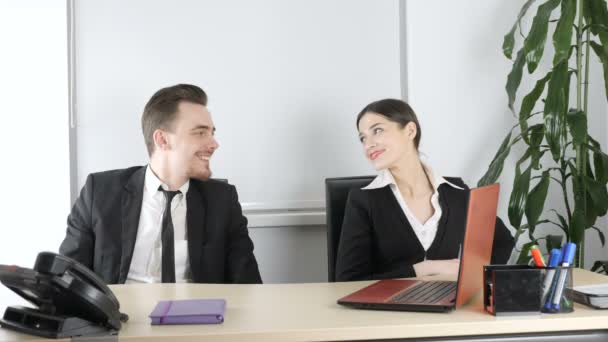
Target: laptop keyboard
426 292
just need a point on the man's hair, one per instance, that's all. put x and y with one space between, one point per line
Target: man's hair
161 109
394 110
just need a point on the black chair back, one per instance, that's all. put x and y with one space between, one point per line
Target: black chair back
336 194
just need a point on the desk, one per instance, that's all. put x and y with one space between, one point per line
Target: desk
308 312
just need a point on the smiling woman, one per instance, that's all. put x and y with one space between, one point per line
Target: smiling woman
35 170
408 221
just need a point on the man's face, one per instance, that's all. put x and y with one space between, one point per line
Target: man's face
191 142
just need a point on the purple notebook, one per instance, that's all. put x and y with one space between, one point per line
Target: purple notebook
190 311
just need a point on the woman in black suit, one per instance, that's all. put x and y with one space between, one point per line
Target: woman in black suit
408 221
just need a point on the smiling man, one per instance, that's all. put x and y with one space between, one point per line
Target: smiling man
167 221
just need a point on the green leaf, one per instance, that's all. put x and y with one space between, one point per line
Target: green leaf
564 223
537 133
524 256
591 213
535 42
577 225
577 122
536 200
514 78
554 111
599 195
554 241
577 221
603 55
600 161
562 37
495 168
596 15
601 235
509 41
535 137
529 101
519 195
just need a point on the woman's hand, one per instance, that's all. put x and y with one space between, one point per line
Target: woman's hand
433 267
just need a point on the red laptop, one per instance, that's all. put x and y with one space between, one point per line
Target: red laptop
441 296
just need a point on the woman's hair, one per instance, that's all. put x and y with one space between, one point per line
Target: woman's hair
396 111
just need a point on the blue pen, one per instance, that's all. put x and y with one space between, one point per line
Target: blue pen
567 258
554 259
553 283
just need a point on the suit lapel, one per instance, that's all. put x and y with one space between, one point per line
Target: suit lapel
452 201
394 207
442 224
195 221
132 196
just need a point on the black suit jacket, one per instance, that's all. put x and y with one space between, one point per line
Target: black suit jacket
378 242
103 224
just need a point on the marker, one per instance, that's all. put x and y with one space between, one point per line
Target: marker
537 256
552 282
554 259
567 258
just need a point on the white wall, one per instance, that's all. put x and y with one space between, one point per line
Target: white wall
455 81
283 80
291 254
35 161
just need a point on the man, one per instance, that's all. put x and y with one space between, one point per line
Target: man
167 221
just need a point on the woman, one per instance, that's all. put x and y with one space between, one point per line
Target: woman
408 221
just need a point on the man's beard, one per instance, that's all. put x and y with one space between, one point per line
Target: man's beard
202 174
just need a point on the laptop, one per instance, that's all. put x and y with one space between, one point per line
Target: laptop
441 296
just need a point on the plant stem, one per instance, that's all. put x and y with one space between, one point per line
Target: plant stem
585 101
586 80
581 154
518 233
579 55
565 193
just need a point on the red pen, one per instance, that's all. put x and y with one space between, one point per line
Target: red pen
537 256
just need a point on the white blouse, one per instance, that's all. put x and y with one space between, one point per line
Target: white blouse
425 231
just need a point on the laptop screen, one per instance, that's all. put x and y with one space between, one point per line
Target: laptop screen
478 240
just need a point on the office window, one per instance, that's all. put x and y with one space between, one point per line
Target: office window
34 121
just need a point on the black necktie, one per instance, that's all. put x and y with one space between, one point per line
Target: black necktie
168 253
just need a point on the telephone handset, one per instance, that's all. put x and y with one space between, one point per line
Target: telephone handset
71 299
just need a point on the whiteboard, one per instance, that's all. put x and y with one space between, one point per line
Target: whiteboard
285 81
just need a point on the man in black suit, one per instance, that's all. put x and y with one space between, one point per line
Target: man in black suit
166 221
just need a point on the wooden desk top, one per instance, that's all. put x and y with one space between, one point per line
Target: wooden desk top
308 312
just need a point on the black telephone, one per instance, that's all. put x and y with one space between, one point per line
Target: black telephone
71 299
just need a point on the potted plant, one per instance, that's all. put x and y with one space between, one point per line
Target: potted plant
552 124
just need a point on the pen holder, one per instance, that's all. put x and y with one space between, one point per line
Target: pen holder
555 298
512 289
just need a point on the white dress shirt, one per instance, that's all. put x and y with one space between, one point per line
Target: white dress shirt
146 264
425 231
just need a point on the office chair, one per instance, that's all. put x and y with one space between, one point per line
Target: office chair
336 194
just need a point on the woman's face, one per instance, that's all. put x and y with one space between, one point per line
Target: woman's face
384 142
